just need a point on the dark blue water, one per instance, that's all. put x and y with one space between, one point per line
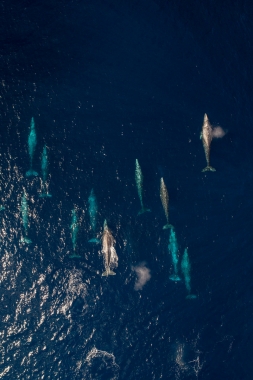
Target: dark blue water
109 82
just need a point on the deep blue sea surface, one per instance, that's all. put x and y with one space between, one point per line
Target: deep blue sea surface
108 82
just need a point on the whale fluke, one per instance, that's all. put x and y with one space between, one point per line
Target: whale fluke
191 297
108 272
30 173
167 226
74 256
144 209
208 169
45 195
174 277
94 240
26 240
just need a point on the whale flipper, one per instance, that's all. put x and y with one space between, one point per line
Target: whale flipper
31 172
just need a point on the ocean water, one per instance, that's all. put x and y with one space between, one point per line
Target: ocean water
109 82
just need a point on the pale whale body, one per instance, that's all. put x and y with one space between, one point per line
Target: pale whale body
32 142
108 251
165 202
206 137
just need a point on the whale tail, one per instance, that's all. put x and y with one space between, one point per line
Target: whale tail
45 195
144 209
74 256
209 168
191 297
108 272
94 240
175 277
31 172
167 226
25 240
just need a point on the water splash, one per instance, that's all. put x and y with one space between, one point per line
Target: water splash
101 365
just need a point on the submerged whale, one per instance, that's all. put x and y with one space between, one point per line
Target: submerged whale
93 210
24 214
74 227
44 169
186 269
108 251
139 183
173 250
32 142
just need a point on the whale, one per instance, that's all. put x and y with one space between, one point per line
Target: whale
93 210
74 227
206 137
186 270
32 142
164 195
139 184
44 170
25 215
108 251
173 250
